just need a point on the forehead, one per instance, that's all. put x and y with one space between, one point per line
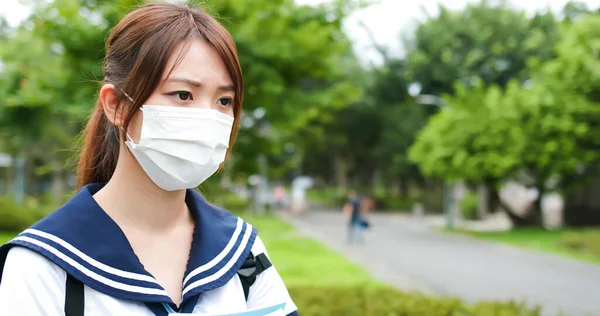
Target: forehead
198 60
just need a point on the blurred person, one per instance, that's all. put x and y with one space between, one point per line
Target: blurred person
298 200
279 195
353 211
137 239
299 187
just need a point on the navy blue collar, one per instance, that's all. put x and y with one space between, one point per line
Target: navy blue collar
84 241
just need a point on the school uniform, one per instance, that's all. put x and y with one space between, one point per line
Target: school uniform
80 243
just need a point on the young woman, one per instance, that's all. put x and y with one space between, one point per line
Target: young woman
137 239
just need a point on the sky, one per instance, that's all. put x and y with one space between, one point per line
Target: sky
387 19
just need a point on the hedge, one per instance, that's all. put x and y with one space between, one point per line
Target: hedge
14 217
361 301
587 241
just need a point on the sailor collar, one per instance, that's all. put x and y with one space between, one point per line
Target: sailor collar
85 242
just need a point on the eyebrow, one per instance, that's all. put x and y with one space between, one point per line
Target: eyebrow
195 83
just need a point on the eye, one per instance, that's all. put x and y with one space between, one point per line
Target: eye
225 101
182 95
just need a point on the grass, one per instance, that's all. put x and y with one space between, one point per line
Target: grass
6 237
304 261
577 244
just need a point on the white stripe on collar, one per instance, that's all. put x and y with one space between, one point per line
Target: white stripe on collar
89 273
106 268
207 266
227 267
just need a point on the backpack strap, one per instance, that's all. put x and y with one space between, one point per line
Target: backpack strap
74 297
252 267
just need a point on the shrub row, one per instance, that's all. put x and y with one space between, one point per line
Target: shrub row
359 301
14 217
584 241
330 197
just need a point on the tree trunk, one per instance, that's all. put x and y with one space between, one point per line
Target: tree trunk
395 187
9 178
483 201
537 204
582 202
494 202
404 188
340 166
19 184
58 183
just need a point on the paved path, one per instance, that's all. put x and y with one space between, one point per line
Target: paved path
406 253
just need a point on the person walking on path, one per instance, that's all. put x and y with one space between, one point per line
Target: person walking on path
353 211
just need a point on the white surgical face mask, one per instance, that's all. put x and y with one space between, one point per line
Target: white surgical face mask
179 148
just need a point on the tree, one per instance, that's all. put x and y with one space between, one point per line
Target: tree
293 58
30 83
491 136
488 42
576 69
574 10
400 121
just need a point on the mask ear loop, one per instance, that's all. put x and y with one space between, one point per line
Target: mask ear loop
123 129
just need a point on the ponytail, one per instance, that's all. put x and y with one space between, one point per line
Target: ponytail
100 152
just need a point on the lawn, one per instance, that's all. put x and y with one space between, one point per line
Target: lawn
304 261
5 237
581 244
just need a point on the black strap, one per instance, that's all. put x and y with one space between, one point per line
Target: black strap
74 297
252 267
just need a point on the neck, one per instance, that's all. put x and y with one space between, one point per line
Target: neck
133 200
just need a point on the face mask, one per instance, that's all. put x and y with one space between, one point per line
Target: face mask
179 148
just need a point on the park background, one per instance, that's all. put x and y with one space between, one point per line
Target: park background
477 113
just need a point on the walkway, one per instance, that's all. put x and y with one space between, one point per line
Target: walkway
406 253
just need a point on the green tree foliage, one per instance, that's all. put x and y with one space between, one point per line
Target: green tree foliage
31 78
467 139
293 59
32 112
488 42
540 128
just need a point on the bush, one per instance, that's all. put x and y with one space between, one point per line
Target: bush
15 217
583 241
231 202
326 197
365 301
468 206
395 203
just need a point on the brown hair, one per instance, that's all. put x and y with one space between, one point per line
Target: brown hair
137 52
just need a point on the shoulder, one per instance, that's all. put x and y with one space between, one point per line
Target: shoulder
31 284
26 264
269 288
259 246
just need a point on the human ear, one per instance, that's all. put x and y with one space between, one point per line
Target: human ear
110 104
